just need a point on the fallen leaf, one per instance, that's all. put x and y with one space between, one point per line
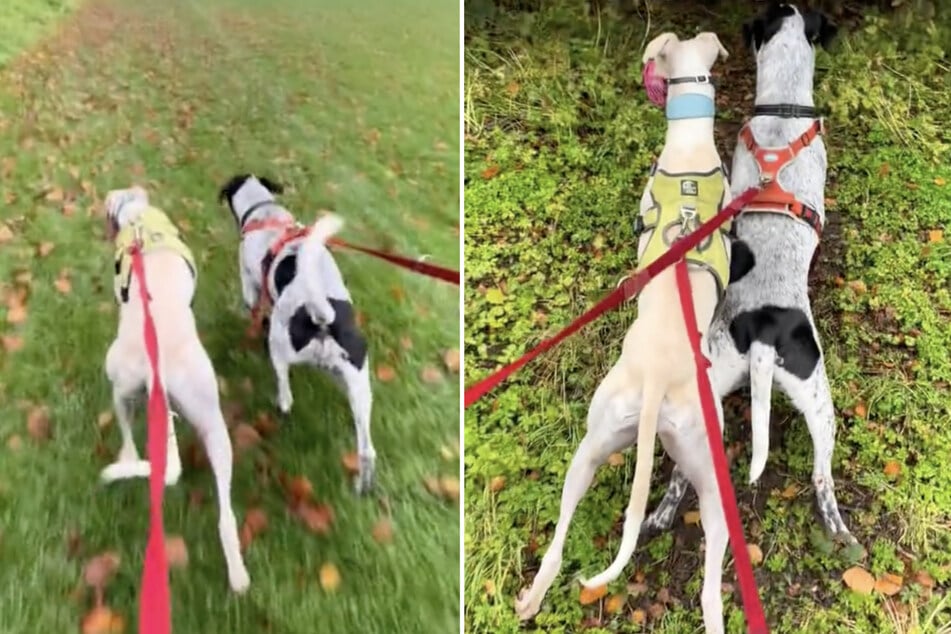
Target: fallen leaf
385 373
615 603
692 518
432 485
104 419
935 235
638 616
256 520
98 572
351 462
939 181
317 517
451 359
756 554
861 410
38 423
892 468
62 283
406 343
616 459
858 286
14 442
16 313
656 610
859 580
329 577
245 436
102 620
789 492
176 552
497 484
450 488
6 233
888 584
265 425
591 595
431 374
55 195
383 531
245 537
924 579
12 343
512 88
300 489
489 586
490 172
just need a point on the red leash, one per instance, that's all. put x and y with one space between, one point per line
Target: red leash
417 266
630 287
154 604
755 619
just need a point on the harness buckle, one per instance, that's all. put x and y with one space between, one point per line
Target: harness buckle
688 216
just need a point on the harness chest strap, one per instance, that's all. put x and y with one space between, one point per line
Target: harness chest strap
771 160
290 231
153 230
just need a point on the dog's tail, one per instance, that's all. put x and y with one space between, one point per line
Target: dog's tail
308 265
640 487
762 364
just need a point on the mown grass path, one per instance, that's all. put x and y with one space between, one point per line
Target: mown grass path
355 108
559 139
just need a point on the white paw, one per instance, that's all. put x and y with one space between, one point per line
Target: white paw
125 470
284 403
239 579
525 607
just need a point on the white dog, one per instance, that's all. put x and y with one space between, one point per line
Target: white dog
186 371
656 369
312 319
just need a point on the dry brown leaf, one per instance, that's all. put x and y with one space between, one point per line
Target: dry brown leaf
300 488
450 488
329 577
889 584
789 492
383 531
99 570
858 286
432 485
638 616
756 554
656 610
935 235
317 517
385 373
6 233
265 425
176 551
55 195
62 283
922 578
859 580
351 462
38 423
102 620
892 468
431 374
615 603
256 520
16 313
490 172
591 595
861 410
616 459
245 436
451 359
497 483
692 518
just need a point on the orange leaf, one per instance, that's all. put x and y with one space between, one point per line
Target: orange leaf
256 520
63 285
497 483
431 374
351 462
176 551
789 492
859 580
55 195
383 531
300 488
6 234
888 584
329 577
892 468
102 620
490 172
616 460
923 579
99 570
756 554
615 603
317 518
14 443
245 437
385 373
692 518
591 595
638 616
16 313
935 235
450 488
861 411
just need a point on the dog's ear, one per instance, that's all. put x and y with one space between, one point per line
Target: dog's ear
272 186
763 27
713 46
657 50
229 189
820 30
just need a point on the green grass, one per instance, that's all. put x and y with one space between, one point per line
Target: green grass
559 140
355 108
23 21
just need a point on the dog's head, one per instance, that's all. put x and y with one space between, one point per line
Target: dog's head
244 190
122 207
673 57
788 29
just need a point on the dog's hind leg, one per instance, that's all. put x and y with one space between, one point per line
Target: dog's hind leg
611 426
279 349
813 398
196 394
361 399
662 518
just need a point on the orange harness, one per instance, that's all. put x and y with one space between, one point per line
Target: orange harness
290 231
771 160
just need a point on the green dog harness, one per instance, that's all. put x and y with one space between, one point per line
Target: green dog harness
155 231
680 203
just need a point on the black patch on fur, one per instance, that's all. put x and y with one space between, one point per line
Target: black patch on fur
742 260
819 29
344 330
284 272
787 330
302 329
229 189
763 27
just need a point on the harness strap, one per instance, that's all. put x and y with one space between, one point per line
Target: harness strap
290 232
785 111
252 209
772 197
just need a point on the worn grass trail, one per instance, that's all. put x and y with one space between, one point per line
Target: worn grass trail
559 139
355 108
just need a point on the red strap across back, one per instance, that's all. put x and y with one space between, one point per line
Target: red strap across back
772 197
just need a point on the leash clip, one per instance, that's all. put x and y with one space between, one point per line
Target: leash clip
688 216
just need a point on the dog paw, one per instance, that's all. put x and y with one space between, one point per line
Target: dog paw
363 482
524 607
125 470
239 580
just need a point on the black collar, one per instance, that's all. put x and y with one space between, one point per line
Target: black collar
252 209
785 110
697 79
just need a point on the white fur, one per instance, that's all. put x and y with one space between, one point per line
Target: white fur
186 372
653 386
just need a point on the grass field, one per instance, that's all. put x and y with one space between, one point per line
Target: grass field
355 108
560 137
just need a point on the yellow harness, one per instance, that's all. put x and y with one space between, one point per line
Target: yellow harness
680 204
154 229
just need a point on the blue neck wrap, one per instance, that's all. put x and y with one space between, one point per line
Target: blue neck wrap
690 106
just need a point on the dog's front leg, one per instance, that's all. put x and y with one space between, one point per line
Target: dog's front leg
249 290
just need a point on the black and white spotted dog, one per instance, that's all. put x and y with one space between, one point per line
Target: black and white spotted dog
312 320
764 330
